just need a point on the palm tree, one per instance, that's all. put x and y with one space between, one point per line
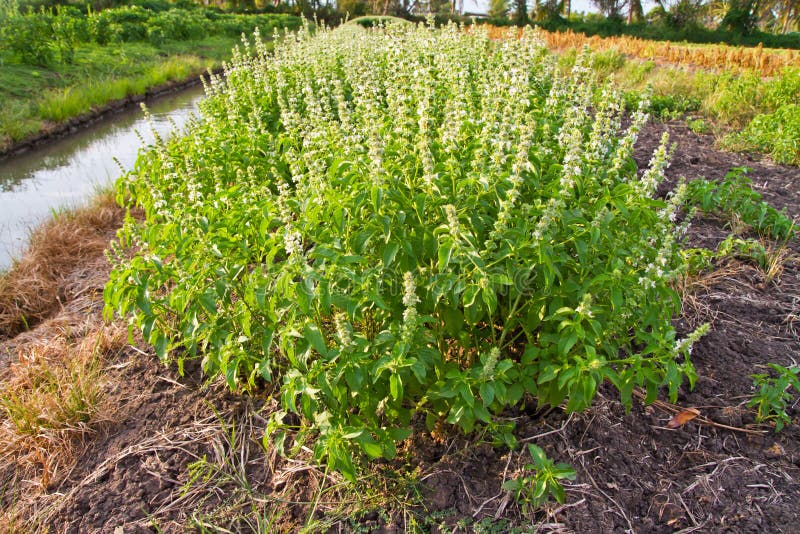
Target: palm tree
635 11
791 16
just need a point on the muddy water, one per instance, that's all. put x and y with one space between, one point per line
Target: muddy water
66 173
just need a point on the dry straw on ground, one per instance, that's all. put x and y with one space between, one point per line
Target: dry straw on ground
38 284
51 398
721 57
53 377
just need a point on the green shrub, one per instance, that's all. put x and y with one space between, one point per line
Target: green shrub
122 24
735 99
400 223
178 25
30 38
69 29
783 89
237 25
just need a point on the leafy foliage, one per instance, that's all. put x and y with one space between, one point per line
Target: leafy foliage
400 222
774 394
23 36
777 134
534 490
735 196
44 37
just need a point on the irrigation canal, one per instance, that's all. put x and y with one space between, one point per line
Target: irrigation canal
67 172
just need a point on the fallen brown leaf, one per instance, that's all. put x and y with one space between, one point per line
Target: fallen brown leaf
776 450
683 417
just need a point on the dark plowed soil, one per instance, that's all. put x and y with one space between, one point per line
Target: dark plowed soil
719 472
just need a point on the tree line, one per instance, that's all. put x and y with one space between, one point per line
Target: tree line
742 17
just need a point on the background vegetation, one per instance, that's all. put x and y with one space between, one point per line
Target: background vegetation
57 62
59 59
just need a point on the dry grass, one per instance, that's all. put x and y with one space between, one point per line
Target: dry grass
51 400
765 61
692 287
52 391
33 289
52 378
775 259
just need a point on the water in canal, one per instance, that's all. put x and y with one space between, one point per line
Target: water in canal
65 173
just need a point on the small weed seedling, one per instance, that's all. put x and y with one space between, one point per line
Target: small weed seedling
698 126
774 394
735 199
531 491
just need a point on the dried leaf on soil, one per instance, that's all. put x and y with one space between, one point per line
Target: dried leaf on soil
683 417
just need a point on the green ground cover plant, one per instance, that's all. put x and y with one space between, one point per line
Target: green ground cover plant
776 133
774 393
735 198
395 225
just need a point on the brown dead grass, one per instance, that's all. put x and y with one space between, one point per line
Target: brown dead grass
51 399
53 378
33 289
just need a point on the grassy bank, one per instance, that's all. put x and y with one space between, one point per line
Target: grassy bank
32 97
32 289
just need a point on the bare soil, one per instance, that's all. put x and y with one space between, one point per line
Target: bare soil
719 472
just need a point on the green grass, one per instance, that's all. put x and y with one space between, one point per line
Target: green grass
776 134
30 96
62 104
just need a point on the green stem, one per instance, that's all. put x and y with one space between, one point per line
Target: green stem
318 496
508 318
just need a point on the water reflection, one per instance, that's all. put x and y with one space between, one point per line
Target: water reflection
66 173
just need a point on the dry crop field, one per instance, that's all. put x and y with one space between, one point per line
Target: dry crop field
721 57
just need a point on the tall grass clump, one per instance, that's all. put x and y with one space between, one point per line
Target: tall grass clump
62 104
403 222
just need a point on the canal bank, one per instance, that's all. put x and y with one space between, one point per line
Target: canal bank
54 131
